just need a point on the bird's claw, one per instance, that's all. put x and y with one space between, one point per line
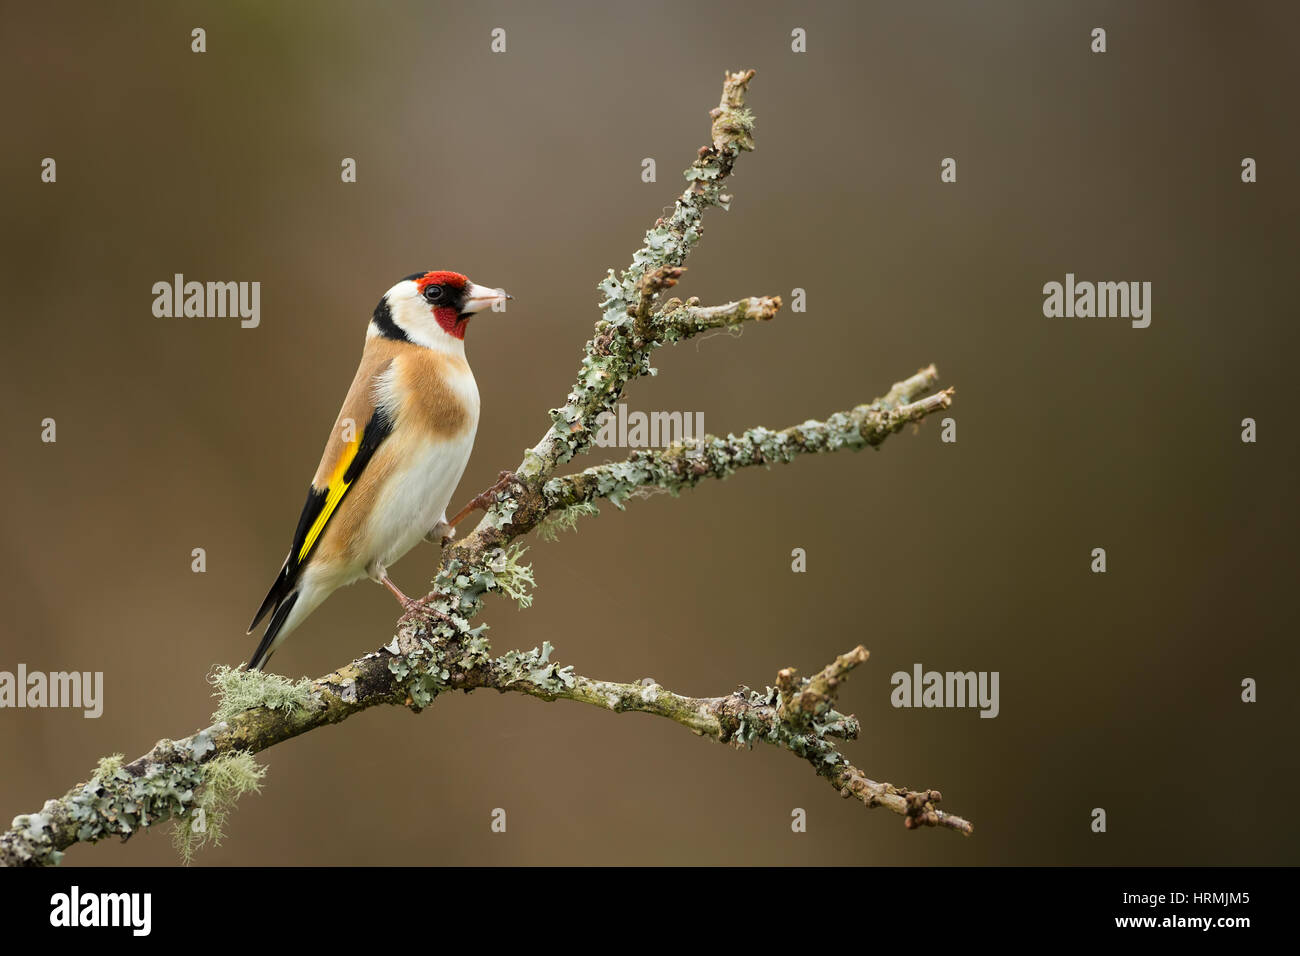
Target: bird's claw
418 609
486 499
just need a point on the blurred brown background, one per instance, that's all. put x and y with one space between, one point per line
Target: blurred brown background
523 170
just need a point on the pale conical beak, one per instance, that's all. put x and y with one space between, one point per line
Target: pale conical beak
481 297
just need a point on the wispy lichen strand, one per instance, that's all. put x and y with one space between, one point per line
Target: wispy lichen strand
237 690
226 778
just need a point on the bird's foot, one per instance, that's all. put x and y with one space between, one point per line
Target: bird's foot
413 609
486 499
422 610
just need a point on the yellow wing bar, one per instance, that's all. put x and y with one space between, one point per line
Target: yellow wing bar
337 489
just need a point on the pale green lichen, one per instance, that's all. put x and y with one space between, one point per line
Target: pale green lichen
536 667
224 780
499 569
741 120
501 513
808 739
510 575
427 650
423 663
565 520
240 690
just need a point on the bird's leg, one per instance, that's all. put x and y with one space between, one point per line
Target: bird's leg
387 582
486 499
411 606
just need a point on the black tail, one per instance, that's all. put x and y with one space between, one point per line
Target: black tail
263 652
280 589
279 599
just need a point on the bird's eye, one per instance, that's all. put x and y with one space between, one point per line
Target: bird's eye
434 293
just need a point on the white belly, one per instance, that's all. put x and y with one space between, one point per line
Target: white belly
415 498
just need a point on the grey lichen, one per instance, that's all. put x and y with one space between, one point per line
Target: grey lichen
239 690
427 651
420 669
116 801
30 836
113 801
224 780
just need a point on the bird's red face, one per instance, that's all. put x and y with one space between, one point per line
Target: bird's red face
427 306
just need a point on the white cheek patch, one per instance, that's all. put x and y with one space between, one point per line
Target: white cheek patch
415 317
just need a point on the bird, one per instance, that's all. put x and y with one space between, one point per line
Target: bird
394 457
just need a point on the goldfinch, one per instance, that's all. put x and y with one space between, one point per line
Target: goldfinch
394 456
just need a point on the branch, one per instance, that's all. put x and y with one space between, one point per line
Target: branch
679 467
627 333
679 321
797 715
436 653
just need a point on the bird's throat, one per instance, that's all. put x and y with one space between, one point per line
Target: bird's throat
451 321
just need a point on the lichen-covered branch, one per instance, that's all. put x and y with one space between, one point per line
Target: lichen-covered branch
797 715
433 654
680 320
683 466
626 333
